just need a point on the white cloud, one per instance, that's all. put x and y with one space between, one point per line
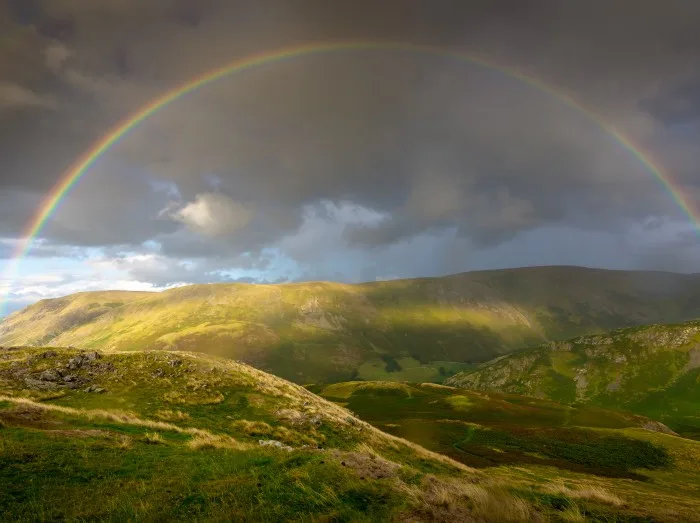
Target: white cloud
212 214
23 291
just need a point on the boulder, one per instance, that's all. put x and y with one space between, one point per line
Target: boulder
49 375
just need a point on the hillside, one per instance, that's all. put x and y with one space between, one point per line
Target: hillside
164 436
643 471
404 330
170 436
183 436
651 370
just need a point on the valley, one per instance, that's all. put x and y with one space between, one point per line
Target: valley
464 398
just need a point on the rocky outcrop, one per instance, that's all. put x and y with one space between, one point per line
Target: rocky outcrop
77 372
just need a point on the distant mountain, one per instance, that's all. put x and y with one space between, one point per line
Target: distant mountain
652 370
414 330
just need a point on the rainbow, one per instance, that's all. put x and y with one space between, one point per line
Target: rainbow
82 165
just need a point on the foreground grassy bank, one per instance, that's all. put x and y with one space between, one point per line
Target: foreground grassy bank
165 436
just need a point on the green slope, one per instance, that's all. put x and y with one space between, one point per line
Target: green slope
651 370
652 473
171 436
177 436
420 330
166 436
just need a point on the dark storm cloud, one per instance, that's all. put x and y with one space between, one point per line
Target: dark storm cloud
678 104
429 143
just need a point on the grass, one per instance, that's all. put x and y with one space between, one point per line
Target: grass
128 454
574 462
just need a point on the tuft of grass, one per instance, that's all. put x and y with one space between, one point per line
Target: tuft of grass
153 438
448 500
171 415
587 492
213 441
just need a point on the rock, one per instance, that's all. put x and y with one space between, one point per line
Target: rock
94 388
105 367
274 443
81 359
175 362
70 378
75 363
49 375
47 354
657 426
158 373
38 384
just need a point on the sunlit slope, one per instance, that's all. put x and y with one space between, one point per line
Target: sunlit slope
414 330
652 370
47 319
629 462
175 436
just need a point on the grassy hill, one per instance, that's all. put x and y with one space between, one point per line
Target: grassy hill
643 471
165 436
651 370
416 330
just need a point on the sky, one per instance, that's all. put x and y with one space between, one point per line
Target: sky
353 165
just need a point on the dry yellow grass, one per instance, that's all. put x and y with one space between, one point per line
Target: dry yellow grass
125 418
214 441
172 415
587 492
153 438
442 499
573 514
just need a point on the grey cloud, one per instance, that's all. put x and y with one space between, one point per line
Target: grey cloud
433 143
40 249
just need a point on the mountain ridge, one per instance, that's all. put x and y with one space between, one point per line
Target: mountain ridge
413 329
